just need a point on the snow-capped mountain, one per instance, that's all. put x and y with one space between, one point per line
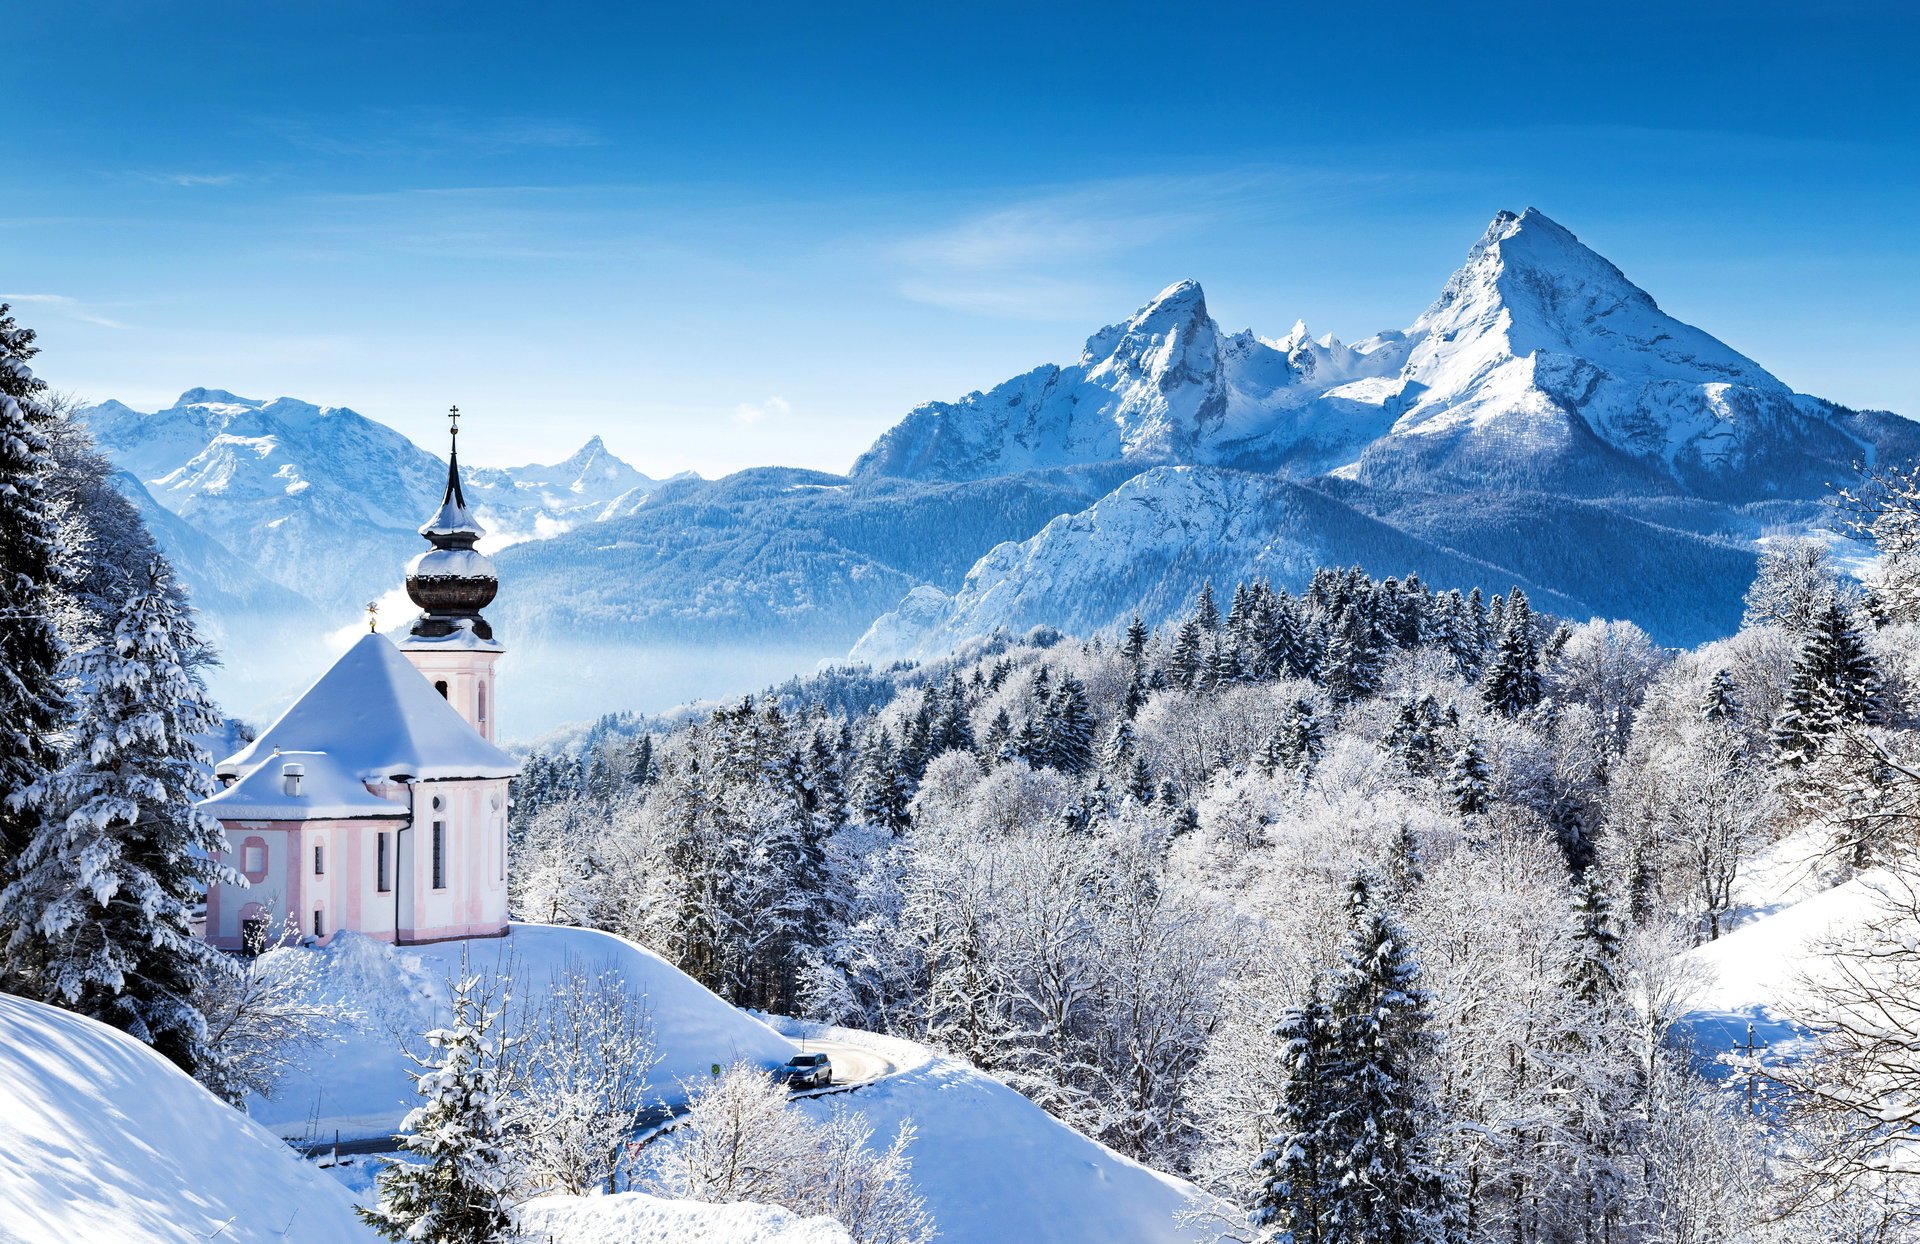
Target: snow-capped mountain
1539 365
1542 419
325 501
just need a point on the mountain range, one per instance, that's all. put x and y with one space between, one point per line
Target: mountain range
1543 423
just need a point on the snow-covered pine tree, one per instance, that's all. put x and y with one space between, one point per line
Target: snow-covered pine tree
1513 683
1206 612
1069 728
1721 701
1350 670
1293 1178
883 795
99 907
1835 684
1189 656
1303 740
463 1192
1385 1185
32 706
1468 779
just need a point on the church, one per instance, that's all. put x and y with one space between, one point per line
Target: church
378 801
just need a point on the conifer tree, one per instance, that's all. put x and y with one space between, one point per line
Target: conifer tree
1206 613
1387 1187
884 796
1140 781
1069 731
1351 668
1135 648
1835 684
1513 683
99 908
1303 742
461 1193
1188 658
1721 701
1293 1183
999 734
1469 780
32 706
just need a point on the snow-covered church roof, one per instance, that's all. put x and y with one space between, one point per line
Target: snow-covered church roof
324 792
375 716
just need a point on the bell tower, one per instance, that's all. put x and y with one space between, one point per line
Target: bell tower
450 643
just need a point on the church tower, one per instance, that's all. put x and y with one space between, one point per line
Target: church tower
450 643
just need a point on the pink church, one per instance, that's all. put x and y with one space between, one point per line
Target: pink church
378 802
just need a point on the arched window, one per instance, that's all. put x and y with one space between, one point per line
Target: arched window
441 687
483 703
253 859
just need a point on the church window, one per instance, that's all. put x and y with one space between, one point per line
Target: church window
319 860
383 863
439 855
319 923
441 687
500 840
483 702
253 858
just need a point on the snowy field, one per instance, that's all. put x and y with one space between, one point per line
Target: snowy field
359 1085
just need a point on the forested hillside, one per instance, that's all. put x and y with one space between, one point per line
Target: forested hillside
1369 907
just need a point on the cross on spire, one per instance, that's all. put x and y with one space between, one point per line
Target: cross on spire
453 414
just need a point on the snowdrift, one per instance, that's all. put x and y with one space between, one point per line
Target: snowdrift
359 1087
105 1140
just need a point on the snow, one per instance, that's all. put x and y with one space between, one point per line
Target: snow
452 564
325 790
107 1141
374 714
993 1167
359 1085
636 1218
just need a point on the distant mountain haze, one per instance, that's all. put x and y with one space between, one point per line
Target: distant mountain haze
1542 423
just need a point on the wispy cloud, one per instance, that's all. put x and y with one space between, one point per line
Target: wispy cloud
775 407
72 308
1042 255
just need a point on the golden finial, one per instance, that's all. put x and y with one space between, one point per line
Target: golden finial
373 616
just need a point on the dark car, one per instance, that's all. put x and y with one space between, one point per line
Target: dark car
805 1071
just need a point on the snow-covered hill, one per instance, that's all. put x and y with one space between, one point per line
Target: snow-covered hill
359 1087
105 1140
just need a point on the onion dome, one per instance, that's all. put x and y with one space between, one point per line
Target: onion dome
452 581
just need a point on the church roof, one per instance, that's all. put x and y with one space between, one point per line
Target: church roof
325 792
375 715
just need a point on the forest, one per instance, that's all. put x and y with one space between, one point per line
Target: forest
1369 908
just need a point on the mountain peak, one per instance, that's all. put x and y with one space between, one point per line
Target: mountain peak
213 397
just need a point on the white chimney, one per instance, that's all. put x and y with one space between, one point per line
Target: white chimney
290 775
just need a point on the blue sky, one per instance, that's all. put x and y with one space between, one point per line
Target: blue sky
727 235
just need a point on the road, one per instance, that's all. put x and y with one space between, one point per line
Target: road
853 1067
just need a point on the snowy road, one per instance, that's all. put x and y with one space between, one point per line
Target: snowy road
853 1067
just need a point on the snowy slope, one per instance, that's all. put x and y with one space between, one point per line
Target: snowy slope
104 1140
993 1167
1150 543
359 1085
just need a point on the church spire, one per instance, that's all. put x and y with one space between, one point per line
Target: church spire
452 581
453 525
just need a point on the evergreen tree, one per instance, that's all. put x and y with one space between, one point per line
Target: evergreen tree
1721 701
32 706
1513 683
884 792
1835 684
640 761
1596 971
460 1193
1206 613
1351 668
1069 728
99 908
1117 752
1303 742
1135 648
1140 781
999 734
1386 1187
1188 658
1469 781
1293 1182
